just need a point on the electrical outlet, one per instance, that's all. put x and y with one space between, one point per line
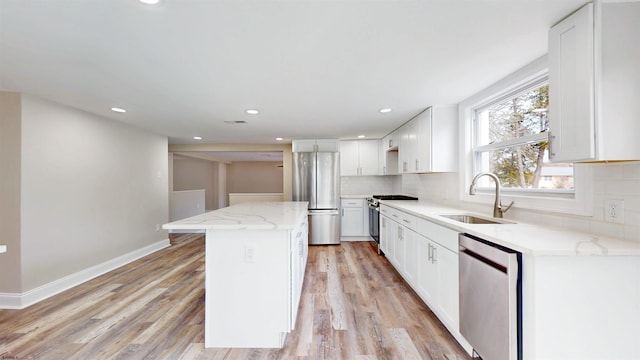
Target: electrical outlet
614 211
250 253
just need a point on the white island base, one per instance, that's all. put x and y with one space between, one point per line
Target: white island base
255 257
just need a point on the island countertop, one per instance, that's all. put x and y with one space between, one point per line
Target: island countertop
246 216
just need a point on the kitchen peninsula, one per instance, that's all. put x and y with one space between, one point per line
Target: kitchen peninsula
255 258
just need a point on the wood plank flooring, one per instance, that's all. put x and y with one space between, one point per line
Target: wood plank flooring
354 306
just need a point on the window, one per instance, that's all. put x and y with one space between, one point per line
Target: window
504 130
510 140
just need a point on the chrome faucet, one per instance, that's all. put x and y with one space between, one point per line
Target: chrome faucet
497 205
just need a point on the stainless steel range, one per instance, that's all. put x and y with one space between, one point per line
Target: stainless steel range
374 213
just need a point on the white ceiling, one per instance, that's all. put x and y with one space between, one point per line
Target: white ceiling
315 69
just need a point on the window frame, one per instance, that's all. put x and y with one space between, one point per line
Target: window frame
577 202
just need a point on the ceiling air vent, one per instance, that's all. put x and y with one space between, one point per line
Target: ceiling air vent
235 122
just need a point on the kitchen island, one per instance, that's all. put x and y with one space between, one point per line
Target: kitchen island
255 258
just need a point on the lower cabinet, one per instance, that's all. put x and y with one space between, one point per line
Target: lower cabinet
426 255
299 249
355 217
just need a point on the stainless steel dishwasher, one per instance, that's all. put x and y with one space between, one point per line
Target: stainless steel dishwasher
490 298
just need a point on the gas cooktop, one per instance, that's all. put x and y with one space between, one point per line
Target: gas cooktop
394 197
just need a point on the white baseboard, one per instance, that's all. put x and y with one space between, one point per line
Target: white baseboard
356 238
25 299
179 231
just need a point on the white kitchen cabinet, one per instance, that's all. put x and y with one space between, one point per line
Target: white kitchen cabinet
426 255
437 139
390 141
400 242
427 284
593 77
384 235
428 142
437 279
447 281
359 157
353 217
311 145
299 254
389 153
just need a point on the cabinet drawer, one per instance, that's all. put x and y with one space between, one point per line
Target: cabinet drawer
402 218
444 236
351 203
407 220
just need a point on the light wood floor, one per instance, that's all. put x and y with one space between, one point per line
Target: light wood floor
354 306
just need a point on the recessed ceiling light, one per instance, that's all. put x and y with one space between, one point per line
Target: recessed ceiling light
197 138
361 136
120 110
279 139
149 2
253 112
385 110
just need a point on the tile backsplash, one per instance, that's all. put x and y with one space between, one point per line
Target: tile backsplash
370 185
611 181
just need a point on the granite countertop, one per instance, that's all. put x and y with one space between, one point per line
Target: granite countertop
523 237
276 215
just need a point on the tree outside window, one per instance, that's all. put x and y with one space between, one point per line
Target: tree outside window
511 142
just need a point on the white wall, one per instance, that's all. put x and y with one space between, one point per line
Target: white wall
92 190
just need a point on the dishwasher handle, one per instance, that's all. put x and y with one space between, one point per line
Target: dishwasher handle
483 259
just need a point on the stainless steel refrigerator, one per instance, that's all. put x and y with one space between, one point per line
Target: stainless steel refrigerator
316 179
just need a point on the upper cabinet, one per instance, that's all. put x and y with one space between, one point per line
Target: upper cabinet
390 142
313 145
428 142
359 157
594 112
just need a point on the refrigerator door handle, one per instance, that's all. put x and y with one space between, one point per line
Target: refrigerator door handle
325 212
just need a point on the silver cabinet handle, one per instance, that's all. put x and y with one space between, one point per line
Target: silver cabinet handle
549 142
435 255
407 221
430 255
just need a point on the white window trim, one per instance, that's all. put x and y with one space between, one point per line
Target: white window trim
580 204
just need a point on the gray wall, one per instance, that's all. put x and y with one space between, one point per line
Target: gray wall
255 177
195 174
92 189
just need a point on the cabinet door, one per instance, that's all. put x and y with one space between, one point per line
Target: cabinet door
368 157
408 148
427 277
571 88
352 218
399 248
410 256
424 136
349 158
392 238
447 279
384 235
328 145
303 145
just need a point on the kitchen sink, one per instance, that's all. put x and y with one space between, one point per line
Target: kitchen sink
472 219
